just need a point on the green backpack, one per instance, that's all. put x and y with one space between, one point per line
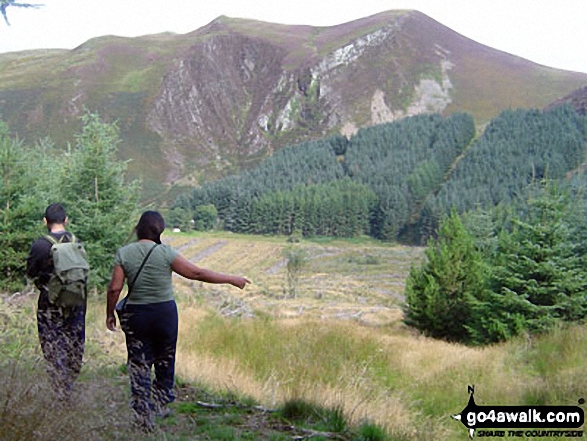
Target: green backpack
67 286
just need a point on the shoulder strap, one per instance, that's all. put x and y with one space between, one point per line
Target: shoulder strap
54 241
132 284
51 239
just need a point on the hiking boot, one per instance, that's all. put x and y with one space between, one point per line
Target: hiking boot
162 411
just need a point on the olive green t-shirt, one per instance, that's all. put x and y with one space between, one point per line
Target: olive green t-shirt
154 282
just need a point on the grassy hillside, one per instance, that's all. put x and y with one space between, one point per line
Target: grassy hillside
340 345
206 104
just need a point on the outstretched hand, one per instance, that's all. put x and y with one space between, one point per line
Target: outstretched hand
239 282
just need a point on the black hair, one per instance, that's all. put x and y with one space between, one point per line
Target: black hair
55 214
150 226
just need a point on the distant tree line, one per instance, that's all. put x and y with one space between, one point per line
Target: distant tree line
504 216
407 174
403 162
517 148
374 183
340 208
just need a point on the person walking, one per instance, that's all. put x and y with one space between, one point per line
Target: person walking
150 318
61 329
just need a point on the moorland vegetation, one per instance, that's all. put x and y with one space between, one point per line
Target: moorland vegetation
502 215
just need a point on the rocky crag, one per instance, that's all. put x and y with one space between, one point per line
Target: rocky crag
198 106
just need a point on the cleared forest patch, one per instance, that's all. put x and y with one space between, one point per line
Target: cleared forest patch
361 280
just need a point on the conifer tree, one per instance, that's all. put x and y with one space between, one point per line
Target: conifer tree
18 209
101 204
538 262
440 293
88 179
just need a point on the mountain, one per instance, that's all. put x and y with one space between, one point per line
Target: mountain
577 99
201 105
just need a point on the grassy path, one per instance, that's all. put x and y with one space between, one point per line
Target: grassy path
335 362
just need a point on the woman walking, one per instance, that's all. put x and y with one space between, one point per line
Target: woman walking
149 319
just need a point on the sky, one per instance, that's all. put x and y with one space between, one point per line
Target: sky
548 32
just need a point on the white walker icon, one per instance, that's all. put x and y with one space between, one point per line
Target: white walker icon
518 417
458 416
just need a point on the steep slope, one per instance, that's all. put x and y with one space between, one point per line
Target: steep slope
201 105
577 99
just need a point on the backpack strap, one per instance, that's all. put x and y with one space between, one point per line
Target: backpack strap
132 284
54 241
51 239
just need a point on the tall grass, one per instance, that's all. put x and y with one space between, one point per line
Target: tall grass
408 384
372 374
29 409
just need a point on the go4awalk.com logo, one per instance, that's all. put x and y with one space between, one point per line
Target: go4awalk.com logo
521 421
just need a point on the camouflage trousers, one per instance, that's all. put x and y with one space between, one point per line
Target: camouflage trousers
62 338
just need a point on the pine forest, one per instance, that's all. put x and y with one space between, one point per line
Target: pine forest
394 181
